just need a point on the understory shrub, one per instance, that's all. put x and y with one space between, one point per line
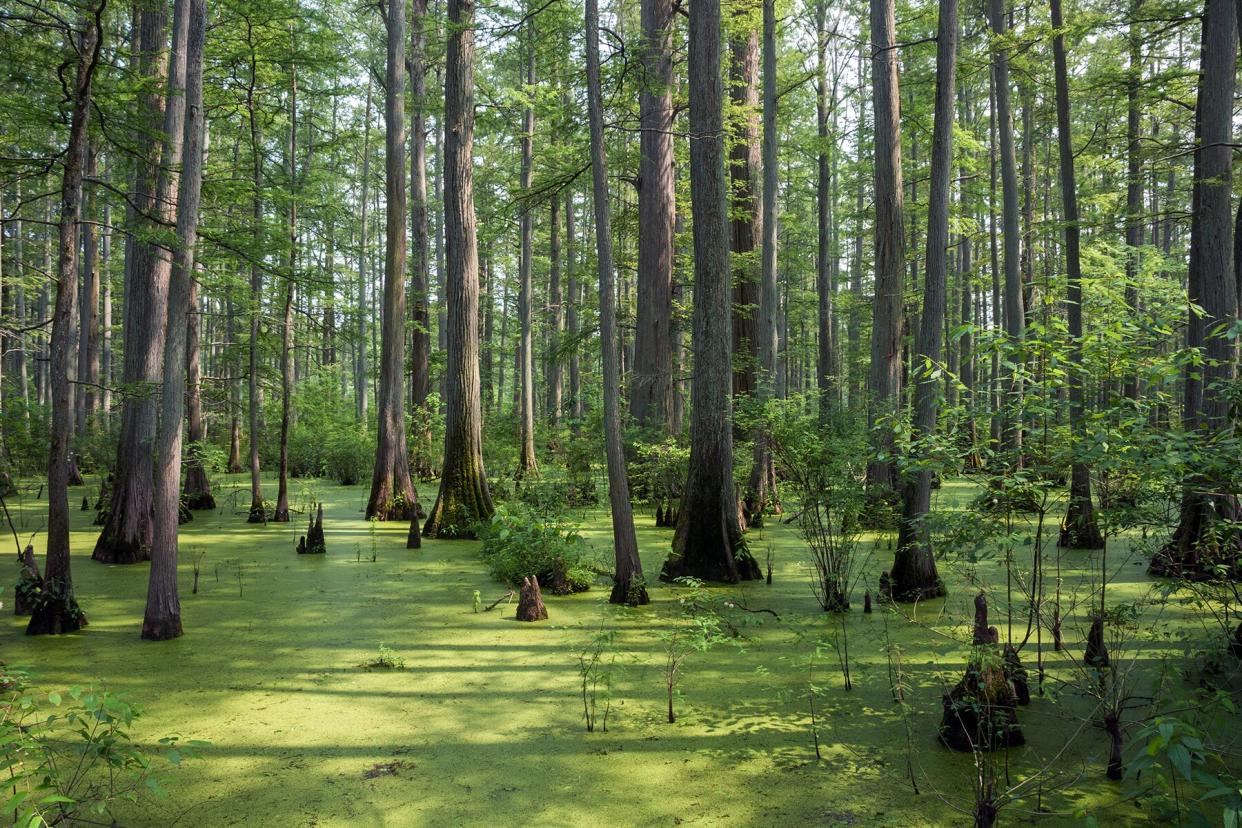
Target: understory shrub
69 757
518 543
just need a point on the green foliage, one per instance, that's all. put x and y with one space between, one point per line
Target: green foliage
519 542
1173 753
658 471
385 659
69 756
596 662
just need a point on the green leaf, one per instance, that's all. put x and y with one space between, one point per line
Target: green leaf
1180 759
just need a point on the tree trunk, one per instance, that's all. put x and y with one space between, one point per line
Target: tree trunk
1079 529
392 494
746 218
1015 320
197 484
629 586
651 386
525 356
87 395
884 378
1134 175
360 363
57 611
281 512
914 574
826 260
1200 541
708 541
162 619
571 313
127 530
552 358
420 346
464 497
760 489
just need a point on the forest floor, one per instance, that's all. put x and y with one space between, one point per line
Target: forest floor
485 721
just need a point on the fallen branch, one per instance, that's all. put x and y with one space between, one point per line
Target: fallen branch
498 601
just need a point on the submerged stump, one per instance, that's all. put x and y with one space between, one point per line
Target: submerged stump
312 543
530 601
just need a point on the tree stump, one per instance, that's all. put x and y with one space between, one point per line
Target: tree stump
530 602
29 581
313 542
7 489
414 540
867 603
1097 651
983 634
980 713
1016 673
75 476
86 503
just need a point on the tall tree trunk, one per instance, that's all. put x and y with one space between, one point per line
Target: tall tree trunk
464 497
360 362
628 584
884 378
708 541
1079 529
525 356
914 575
420 346
1015 319
258 510
197 484
392 494
87 396
746 217
127 531
162 619
760 489
1134 175
826 260
853 326
552 358
56 611
1205 535
571 313
281 512
651 387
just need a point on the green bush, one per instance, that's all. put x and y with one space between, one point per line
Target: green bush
518 543
69 756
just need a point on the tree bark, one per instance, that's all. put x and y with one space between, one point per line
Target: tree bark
914 576
746 218
392 493
464 497
57 609
162 619
197 484
629 586
826 259
280 514
420 344
651 385
708 541
552 361
525 356
1015 320
1079 529
884 378
360 362
127 530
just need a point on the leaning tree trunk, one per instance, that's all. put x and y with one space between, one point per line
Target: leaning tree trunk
56 610
1079 529
392 494
708 541
464 497
914 576
525 355
1015 320
628 584
127 529
162 619
760 488
651 386
1205 535
884 377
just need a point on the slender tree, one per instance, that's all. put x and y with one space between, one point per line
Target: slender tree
57 611
162 619
464 497
914 574
628 584
392 493
884 378
1079 529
